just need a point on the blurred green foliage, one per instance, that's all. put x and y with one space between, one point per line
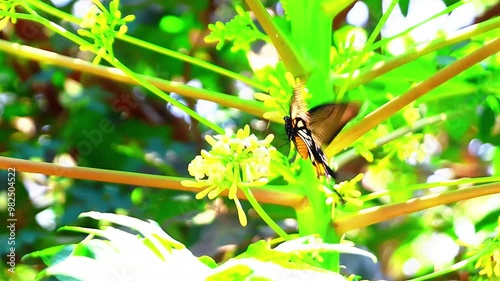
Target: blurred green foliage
47 112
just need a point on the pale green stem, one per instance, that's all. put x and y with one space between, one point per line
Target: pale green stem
250 106
217 69
462 181
351 154
260 211
452 268
116 63
63 32
384 41
357 61
289 55
370 72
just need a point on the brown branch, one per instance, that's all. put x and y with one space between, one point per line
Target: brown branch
352 154
173 183
250 106
289 55
371 72
350 135
372 215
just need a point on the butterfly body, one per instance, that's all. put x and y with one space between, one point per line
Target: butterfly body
298 132
309 129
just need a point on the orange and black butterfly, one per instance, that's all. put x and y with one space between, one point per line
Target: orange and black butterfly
310 129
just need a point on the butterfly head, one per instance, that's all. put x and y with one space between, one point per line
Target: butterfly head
288 127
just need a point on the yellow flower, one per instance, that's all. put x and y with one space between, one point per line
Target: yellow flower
9 7
489 264
348 191
102 25
238 161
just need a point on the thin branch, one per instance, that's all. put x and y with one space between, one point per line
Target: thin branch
270 195
249 106
358 59
289 55
428 185
373 215
351 154
146 45
348 136
371 72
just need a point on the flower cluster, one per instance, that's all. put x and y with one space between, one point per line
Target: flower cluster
233 162
102 25
489 263
9 7
280 93
348 191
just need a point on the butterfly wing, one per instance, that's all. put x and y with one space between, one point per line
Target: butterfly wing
326 121
309 129
303 140
308 148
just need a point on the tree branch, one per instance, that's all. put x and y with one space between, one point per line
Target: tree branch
350 135
271 196
373 215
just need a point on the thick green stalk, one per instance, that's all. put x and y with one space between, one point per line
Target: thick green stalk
311 35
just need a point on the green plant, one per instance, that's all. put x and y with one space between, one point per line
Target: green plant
401 108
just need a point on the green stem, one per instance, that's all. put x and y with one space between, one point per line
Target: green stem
384 41
372 71
269 221
129 39
63 32
333 8
351 154
452 268
116 63
289 55
50 25
250 106
358 60
462 181
311 35
193 61
311 28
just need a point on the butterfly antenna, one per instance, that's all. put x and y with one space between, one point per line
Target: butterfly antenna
275 101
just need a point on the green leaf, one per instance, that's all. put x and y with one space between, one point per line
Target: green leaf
51 255
486 122
208 261
149 256
237 272
249 268
82 250
83 268
404 5
450 2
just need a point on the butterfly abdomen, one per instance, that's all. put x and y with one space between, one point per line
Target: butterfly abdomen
301 147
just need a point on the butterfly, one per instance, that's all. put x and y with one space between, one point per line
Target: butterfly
310 129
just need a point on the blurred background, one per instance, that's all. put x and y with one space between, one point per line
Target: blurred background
49 113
